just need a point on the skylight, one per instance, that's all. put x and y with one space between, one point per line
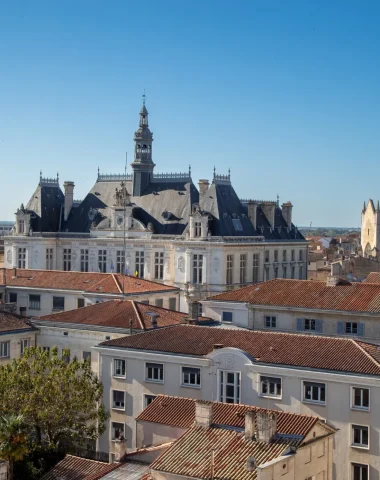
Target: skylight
237 224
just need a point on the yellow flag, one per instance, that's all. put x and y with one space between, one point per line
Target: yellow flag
136 273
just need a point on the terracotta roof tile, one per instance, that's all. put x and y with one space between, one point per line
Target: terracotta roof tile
10 322
118 314
308 351
373 277
77 468
83 281
311 294
180 412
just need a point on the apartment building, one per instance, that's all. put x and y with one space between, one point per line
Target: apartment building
335 308
336 379
42 292
16 334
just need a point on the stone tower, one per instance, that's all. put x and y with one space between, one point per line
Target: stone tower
370 229
142 164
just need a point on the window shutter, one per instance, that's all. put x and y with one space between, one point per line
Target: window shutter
318 326
340 330
361 329
299 324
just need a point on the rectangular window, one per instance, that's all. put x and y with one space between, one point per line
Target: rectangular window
276 255
118 367
23 345
360 436
360 398
266 274
227 317
284 256
229 387
148 399
21 257
102 261
80 302
12 298
4 349
256 265
284 272
139 264
352 328
49 259
309 324
360 472
266 256
46 349
117 431
66 357
300 255
159 302
21 226
197 229
197 269
191 377
67 259
84 260
118 399
120 261
229 271
154 372
270 386
87 356
293 272
270 322
172 303
159 265
35 302
243 268
58 303
314 392
293 257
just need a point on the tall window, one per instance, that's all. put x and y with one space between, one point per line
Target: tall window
197 229
276 255
266 256
256 265
275 272
284 255
24 343
314 392
58 303
84 260
266 274
67 259
118 399
360 436
139 264
117 431
284 271
229 387
49 259
230 266
197 268
300 255
293 272
35 302
21 226
293 255
360 398
102 261
118 367
300 272
120 261
359 472
243 268
159 265
21 257
4 349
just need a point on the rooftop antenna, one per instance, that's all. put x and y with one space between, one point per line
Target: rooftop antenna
125 208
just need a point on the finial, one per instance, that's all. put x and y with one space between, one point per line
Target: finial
214 171
229 174
40 175
98 172
189 171
378 206
144 97
57 177
278 200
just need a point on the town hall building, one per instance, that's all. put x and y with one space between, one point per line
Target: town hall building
159 227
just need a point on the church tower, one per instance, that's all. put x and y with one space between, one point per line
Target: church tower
370 229
142 164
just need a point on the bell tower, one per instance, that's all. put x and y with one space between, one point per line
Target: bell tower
142 164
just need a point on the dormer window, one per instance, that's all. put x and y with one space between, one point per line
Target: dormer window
21 226
197 229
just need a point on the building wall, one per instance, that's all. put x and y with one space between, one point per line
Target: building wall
337 409
15 345
369 229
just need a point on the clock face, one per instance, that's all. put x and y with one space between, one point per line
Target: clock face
120 220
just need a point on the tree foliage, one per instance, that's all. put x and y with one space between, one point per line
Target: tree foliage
13 442
60 401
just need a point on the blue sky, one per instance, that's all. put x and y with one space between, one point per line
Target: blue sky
285 93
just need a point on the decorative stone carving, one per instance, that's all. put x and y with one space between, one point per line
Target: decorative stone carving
9 255
122 197
181 264
216 264
229 361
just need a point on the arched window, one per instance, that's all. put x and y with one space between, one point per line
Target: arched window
148 148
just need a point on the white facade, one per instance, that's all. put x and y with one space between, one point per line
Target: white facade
247 380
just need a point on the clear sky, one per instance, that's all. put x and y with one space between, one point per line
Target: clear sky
285 93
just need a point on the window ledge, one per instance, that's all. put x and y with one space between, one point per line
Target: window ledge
119 376
275 397
119 409
314 402
361 447
34 308
360 409
191 386
154 381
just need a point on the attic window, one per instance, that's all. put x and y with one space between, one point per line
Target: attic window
237 224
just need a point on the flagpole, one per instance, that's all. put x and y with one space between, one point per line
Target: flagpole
124 201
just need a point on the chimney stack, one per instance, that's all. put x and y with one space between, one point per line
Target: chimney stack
192 316
203 413
287 213
203 186
266 426
269 210
252 213
250 425
69 198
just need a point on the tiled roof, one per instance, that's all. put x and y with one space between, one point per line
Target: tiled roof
77 468
88 282
180 412
312 294
308 351
190 455
373 277
128 471
10 322
118 314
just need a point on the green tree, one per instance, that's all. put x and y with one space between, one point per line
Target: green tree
60 400
13 442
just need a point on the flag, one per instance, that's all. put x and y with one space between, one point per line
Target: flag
136 273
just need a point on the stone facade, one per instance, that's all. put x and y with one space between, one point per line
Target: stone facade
370 229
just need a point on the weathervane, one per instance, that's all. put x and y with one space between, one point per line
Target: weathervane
144 97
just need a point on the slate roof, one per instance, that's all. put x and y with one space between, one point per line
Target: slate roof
10 322
373 277
77 468
296 350
89 282
46 204
310 294
180 412
118 314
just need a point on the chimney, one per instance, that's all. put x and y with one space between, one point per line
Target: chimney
250 425
120 449
203 413
69 198
252 213
192 316
22 311
332 281
287 213
203 186
269 210
266 426
14 272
